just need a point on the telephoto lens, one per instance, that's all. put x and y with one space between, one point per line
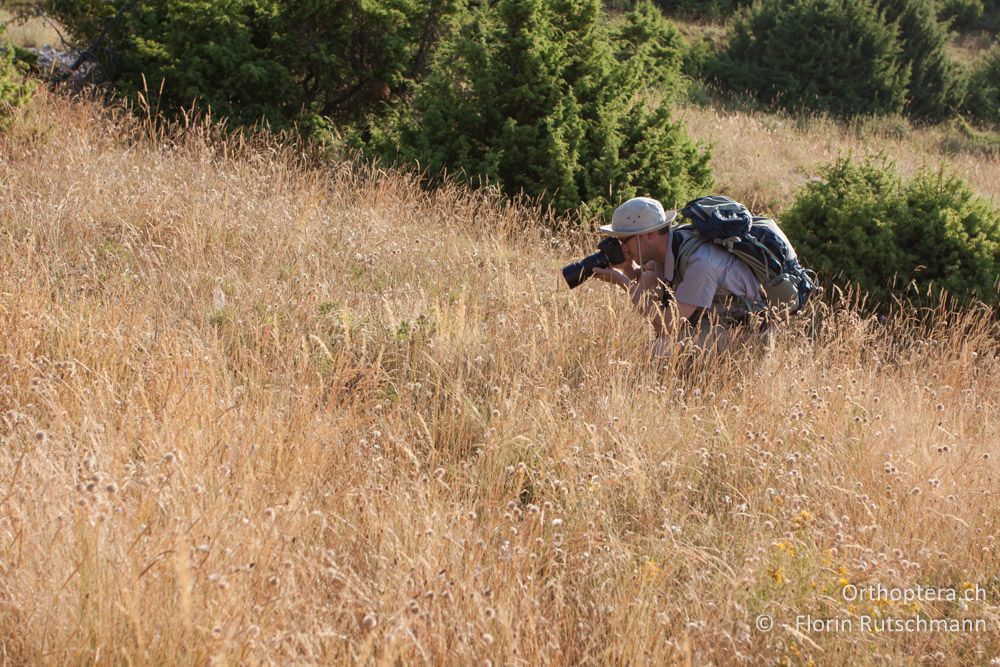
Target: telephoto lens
609 253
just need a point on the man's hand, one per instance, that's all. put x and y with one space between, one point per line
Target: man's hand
613 276
647 286
650 276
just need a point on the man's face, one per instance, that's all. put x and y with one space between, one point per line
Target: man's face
631 249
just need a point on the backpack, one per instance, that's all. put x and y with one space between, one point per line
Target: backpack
756 241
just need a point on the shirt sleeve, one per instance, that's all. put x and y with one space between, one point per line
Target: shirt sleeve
699 284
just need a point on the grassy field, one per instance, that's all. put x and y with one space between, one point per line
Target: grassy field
258 411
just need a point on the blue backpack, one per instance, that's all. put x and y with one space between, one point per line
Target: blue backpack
756 241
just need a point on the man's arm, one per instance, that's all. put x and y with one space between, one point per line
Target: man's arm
646 292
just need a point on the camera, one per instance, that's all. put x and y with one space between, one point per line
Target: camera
609 252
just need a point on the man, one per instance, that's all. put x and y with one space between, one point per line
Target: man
712 293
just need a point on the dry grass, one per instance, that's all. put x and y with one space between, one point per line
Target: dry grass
971 46
255 411
30 32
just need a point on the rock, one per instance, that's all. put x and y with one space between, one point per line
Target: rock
57 65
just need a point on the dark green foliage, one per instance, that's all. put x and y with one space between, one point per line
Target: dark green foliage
960 14
830 55
278 60
865 221
936 86
654 45
983 101
14 89
529 96
350 56
847 57
220 53
990 20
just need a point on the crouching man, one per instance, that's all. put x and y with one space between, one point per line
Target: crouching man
697 290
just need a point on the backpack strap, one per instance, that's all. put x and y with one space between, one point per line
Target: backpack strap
685 242
761 269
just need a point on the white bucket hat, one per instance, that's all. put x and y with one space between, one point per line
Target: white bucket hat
638 216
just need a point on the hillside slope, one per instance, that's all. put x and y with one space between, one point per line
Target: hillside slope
255 410
762 158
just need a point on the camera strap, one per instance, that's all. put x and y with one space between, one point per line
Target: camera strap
675 249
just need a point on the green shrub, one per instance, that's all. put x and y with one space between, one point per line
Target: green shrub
218 53
653 44
983 100
882 232
280 61
15 91
529 96
837 56
936 85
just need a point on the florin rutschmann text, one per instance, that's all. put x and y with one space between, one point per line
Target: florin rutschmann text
871 623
